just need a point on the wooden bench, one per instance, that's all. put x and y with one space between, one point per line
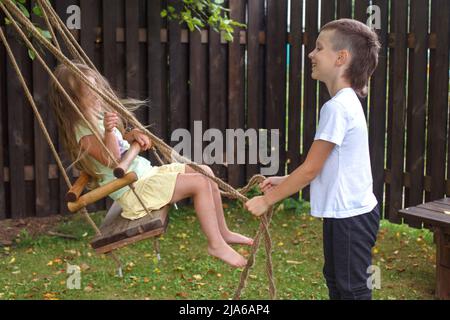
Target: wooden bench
435 216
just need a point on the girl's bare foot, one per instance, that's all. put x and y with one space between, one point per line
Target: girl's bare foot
236 238
228 255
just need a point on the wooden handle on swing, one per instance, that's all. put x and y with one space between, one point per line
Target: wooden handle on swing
102 192
74 193
125 162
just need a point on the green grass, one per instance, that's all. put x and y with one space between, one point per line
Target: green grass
36 268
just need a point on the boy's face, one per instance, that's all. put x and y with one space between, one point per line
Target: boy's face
323 58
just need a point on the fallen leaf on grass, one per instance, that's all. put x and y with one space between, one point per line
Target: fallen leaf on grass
293 262
84 267
88 288
182 294
197 277
243 251
50 296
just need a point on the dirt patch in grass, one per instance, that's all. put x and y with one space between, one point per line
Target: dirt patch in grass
10 229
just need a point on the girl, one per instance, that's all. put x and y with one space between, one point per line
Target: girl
338 163
157 186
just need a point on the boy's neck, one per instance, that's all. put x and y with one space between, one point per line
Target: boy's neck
336 86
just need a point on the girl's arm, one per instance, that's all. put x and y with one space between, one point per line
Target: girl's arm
138 136
93 147
297 180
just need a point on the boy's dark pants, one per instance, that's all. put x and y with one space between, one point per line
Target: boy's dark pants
347 245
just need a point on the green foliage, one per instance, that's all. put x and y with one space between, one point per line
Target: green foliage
199 13
291 204
37 10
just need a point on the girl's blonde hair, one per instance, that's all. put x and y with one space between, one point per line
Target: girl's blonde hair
68 118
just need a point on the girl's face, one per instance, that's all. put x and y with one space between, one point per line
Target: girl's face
323 57
91 101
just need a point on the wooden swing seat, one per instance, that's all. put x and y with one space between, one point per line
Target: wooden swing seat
116 231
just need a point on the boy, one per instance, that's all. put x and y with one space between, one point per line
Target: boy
338 164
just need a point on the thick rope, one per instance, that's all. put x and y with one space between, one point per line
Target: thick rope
49 26
70 38
262 230
167 152
73 51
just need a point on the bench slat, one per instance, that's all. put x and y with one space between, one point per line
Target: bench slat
435 207
445 201
431 217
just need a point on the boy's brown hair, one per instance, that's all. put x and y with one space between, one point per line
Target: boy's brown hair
363 45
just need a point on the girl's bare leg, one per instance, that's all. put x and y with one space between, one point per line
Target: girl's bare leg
229 236
198 187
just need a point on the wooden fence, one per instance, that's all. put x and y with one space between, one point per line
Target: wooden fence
258 81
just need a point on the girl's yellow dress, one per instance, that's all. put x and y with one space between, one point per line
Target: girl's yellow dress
155 185
155 188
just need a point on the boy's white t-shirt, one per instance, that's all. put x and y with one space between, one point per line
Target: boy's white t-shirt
343 188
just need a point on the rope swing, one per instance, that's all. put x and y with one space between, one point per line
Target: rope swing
22 24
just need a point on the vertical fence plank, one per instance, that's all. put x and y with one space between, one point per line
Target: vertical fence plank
110 13
276 74
157 75
377 112
439 73
42 150
361 15
255 72
198 92
236 93
398 105
112 64
132 48
28 138
54 184
327 14
61 8
16 105
90 11
132 56
417 102
3 109
310 95
178 70
344 9
295 85
218 109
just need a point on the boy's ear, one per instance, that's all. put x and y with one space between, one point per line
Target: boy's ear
343 57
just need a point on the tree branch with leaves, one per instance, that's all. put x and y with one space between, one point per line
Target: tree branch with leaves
198 14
